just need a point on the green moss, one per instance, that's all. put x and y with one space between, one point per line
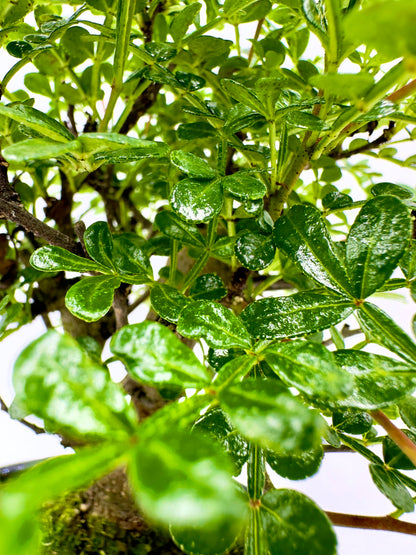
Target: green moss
69 529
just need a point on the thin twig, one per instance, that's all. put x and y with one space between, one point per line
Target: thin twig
399 438
386 523
255 38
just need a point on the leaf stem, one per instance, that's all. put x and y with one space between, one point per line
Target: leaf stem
173 261
399 438
194 273
273 156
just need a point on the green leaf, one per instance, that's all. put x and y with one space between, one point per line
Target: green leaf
343 85
76 45
55 380
294 525
99 244
12 11
192 165
19 48
309 367
130 259
38 83
360 448
264 414
91 298
213 540
407 408
377 240
363 27
174 227
184 479
57 259
244 186
152 354
381 329
209 287
244 95
305 120
22 497
168 302
379 381
386 188
161 52
392 487
196 201
392 454
189 81
301 233
296 466
214 323
298 314
38 149
234 370
217 425
183 20
38 121
196 130
352 421
254 250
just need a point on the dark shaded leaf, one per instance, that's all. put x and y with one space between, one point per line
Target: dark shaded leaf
255 251
209 287
352 421
296 466
392 454
174 227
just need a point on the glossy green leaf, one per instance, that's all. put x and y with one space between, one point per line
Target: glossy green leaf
123 155
264 414
174 227
296 466
407 408
223 248
168 302
309 367
335 200
22 497
196 201
360 448
189 81
254 250
377 240
161 52
352 421
214 323
343 85
214 540
218 357
38 121
209 287
386 188
295 525
217 425
301 233
363 27
57 259
196 489
298 314
192 165
244 95
234 370
393 456
152 354
91 298
305 120
99 244
55 380
19 48
196 130
390 486
379 381
381 329
244 186
38 149
131 261
183 20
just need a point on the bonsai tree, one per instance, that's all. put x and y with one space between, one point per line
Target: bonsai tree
179 196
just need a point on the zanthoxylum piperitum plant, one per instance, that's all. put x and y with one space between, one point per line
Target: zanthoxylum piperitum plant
141 120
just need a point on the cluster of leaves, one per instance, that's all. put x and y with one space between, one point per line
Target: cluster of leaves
233 201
